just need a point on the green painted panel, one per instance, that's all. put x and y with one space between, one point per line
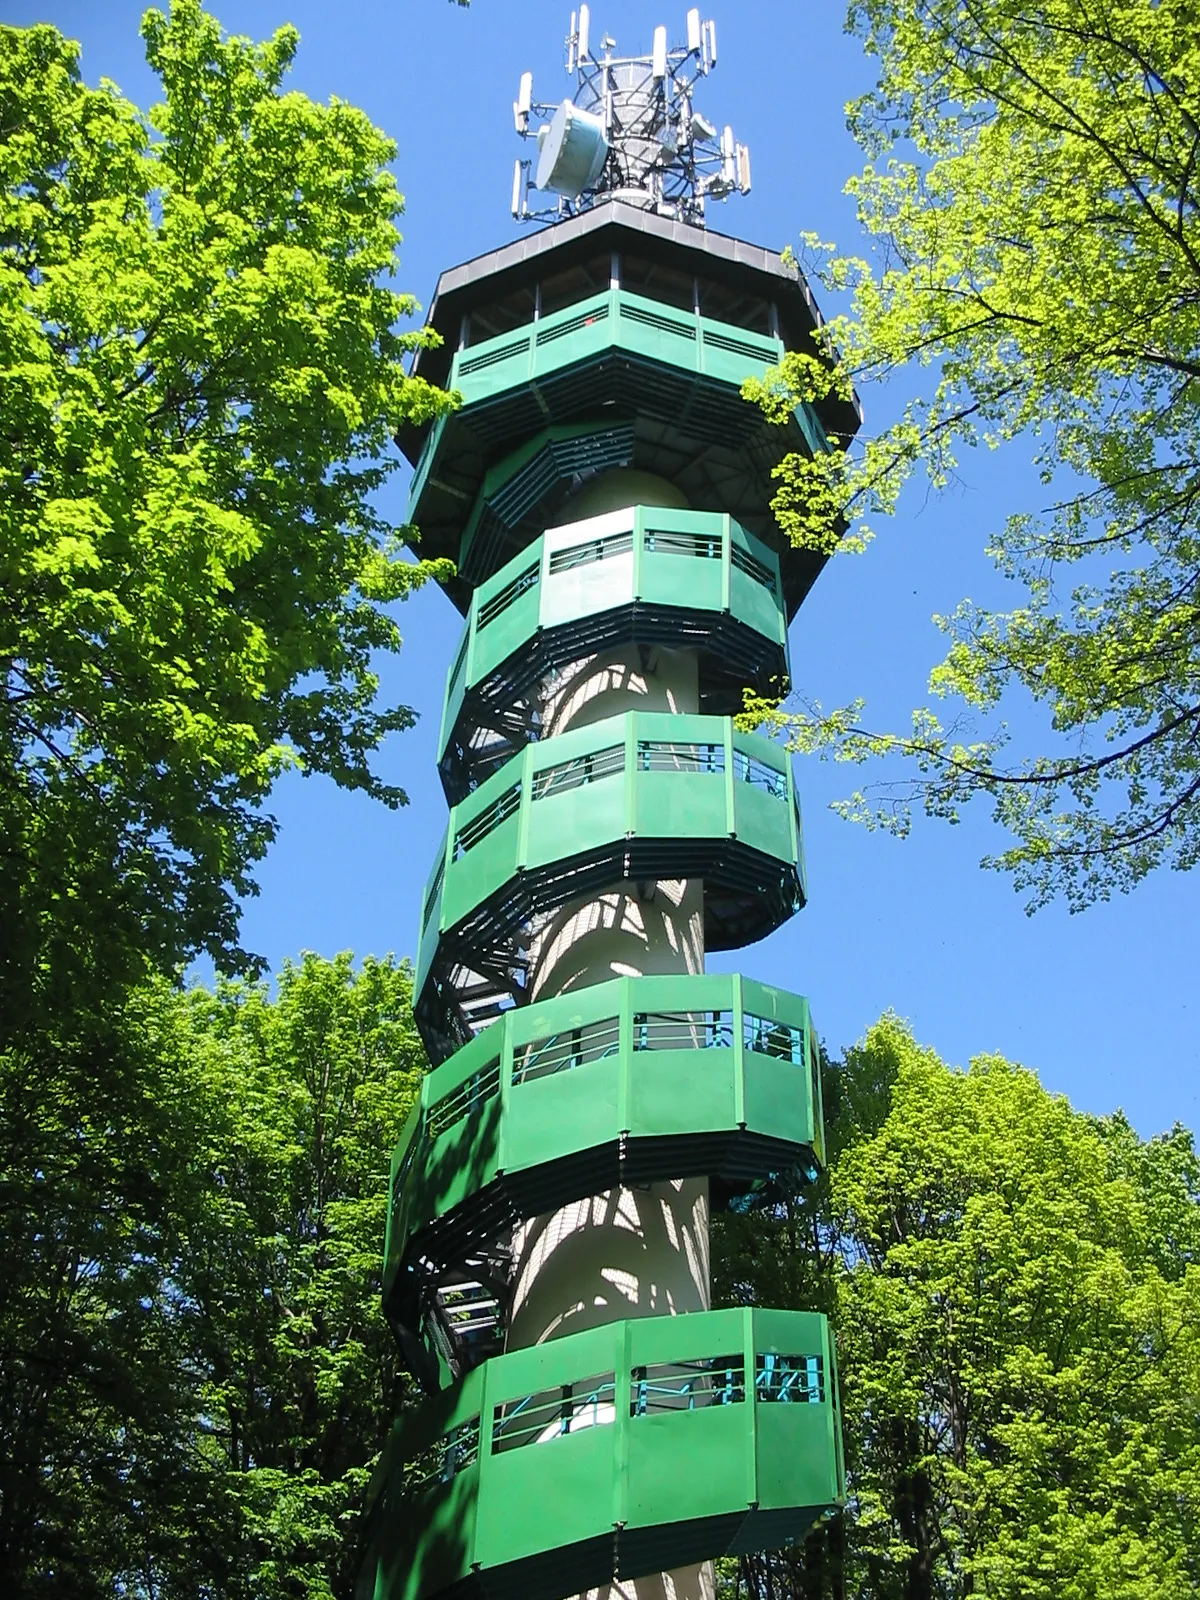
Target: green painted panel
670 727
584 591
426 1547
679 519
398 1224
765 1000
690 1338
456 689
761 820
481 870
779 1097
697 991
683 805
783 1332
672 1088
516 621
672 580
460 1163
543 1496
563 1113
427 946
795 1460
567 1010
428 454
752 603
562 824
520 1372
701 1455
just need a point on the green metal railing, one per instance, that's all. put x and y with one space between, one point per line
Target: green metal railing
658 1441
579 1080
617 317
722 783
697 561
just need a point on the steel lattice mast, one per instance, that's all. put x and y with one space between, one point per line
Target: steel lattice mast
589 1422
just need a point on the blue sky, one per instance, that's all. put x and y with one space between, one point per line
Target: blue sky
1103 1005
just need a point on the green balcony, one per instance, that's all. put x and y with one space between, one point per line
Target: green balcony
691 579
719 350
627 1082
593 368
627 1449
646 330
643 796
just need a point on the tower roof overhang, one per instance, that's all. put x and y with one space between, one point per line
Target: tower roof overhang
616 226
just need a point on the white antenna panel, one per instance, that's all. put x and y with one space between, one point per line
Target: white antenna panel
584 24
517 196
710 29
572 155
743 169
523 102
728 158
693 31
658 67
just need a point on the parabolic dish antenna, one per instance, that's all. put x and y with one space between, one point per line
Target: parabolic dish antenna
572 152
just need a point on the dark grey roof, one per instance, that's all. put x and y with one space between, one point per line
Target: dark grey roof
715 247
471 285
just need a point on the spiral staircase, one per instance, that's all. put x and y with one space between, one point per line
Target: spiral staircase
589 1422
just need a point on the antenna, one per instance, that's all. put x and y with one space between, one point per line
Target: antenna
743 169
658 69
523 102
629 131
728 158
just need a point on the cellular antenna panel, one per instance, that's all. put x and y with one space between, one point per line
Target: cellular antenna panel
630 131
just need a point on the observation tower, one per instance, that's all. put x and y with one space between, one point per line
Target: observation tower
590 1423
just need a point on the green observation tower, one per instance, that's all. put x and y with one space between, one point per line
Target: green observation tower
589 1423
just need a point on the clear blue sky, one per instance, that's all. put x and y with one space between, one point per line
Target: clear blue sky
1104 1005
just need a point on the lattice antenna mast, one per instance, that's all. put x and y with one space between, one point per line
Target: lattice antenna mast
631 132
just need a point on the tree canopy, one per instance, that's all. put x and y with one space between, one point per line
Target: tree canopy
1031 197
200 375
198 1378
196 1371
1016 1291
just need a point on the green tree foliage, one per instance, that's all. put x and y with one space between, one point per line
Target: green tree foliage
195 1370
199 379
1033 197
1017 1294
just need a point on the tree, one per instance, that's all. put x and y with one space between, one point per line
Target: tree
1016 1289
196 1373
199 379
1033 192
